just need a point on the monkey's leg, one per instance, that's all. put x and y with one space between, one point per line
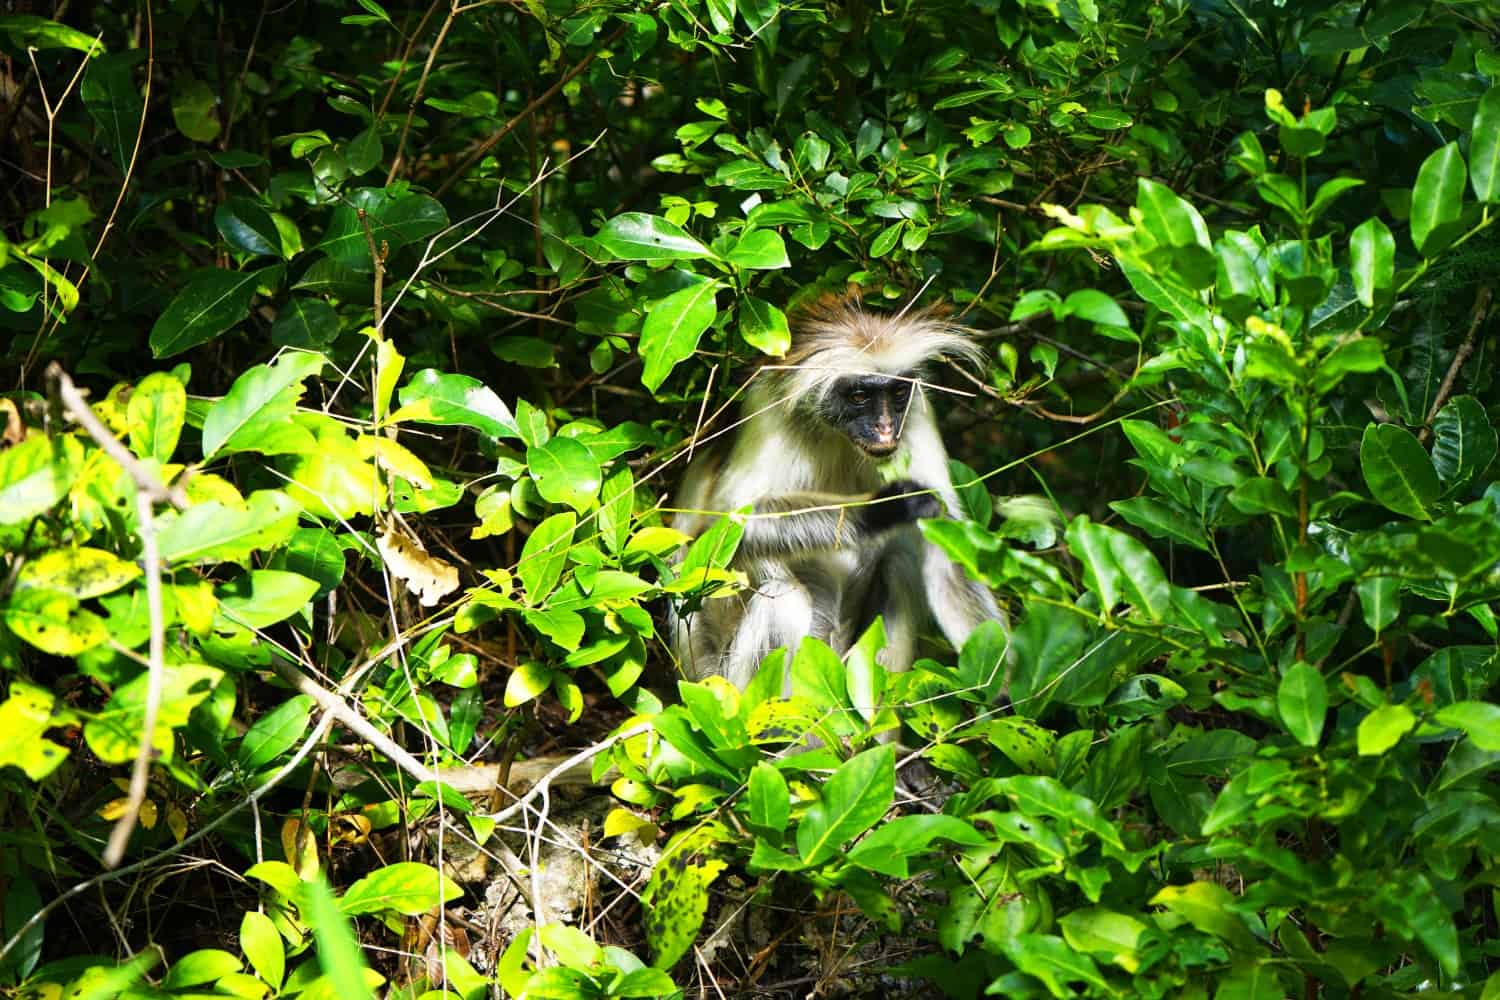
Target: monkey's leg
958 603
779 611
902 605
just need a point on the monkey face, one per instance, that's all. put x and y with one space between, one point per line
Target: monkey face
870 410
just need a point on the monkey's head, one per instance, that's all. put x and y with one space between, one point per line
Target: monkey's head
870 410
860 373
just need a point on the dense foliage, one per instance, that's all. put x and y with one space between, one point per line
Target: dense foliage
353 354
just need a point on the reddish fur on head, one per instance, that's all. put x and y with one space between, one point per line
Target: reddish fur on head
834 337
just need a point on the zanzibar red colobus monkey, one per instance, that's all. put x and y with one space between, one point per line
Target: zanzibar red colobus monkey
838 457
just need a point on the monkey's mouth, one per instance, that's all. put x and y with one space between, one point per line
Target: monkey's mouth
876 449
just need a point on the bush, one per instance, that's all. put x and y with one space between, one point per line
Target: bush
438 300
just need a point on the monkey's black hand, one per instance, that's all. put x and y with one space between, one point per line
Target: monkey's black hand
891 506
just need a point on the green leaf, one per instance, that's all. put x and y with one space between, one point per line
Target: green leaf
36 474
1357 354
155 415
644 983
1397 470
616 509
1163 519
1251 981
1383 729
1372 253
248 227
1037 795
263 597
114 102
1329 192
1302 701
24 719
1379 601
210 303
363 152
1484 148
214 531
885 242
1105 933
1119 569
769 798
982 663
672 329
526 682
316 554
889 847
394 222
1145 695
1463 443
675 902
818 677
1262 495
405 887
338 951
1172 221
205 965
1479 720
759 249
256 413
261 943
79 572
545 555
274 733
114 732
38 32
638 236
1464 764
432 397
565 472
1411 903
1098 308
1050 959
854 798
1437 200
572 946
1208 906
193 103
54 622
764 327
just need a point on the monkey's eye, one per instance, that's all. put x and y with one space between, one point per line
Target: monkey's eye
859 397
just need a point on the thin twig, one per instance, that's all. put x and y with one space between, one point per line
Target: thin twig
78 889
526 112
351 720
145 480
52 113
1481 306
416 98
156 670
562 771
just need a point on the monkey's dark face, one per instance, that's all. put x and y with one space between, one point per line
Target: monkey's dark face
870 410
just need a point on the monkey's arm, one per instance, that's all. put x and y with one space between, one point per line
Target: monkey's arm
790 524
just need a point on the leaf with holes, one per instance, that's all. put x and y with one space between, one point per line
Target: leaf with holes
639 236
